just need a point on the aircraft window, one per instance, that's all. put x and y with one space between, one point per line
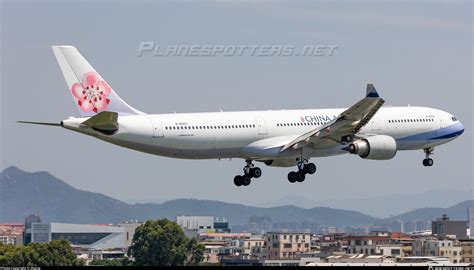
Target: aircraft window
454 118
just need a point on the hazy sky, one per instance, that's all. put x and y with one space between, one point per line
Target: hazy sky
417 53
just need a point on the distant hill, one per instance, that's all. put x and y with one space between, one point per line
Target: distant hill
456 212
381 206
23 193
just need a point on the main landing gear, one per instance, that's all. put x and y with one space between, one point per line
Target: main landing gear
303 168
428 162
250 171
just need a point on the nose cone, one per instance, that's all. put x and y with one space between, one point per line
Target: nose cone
461 128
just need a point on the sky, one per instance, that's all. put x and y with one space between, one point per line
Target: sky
415 52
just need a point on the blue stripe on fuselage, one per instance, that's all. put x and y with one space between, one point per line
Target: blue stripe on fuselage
442 133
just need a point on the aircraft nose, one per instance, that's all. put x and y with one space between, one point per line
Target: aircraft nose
461 128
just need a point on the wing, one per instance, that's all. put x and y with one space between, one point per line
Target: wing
348 123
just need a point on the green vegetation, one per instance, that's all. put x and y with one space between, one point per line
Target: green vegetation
163 243
54 253
114 262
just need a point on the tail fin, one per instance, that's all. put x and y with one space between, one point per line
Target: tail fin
90 91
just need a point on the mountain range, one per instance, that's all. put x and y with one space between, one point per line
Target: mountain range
23 193
381 206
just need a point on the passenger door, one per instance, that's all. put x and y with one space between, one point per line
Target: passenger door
261 125
157 128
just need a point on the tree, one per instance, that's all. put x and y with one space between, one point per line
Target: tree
54 253
114 262
163 243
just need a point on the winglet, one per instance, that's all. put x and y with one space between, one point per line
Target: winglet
371 91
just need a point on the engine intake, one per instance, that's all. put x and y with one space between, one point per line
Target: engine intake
379 147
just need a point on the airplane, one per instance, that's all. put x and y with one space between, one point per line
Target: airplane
281 138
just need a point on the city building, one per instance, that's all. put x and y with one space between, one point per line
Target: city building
366 244
471 222
287 245
28 221
83 235
444 227
11 233
394 249
129 230
200 223
467 251
359 258
253 247
194 225
221 225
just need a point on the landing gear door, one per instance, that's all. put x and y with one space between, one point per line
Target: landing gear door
157 128
261 125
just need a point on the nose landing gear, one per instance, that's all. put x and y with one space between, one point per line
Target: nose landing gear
428 162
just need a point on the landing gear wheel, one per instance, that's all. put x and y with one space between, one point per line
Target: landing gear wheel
256 172
246 180
300 176
428 162
292 177
238 181
310 168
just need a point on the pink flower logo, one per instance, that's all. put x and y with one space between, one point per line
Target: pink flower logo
91 94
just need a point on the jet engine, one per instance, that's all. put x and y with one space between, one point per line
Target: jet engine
378 147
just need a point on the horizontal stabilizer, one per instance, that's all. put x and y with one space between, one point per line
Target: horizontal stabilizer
105 122
40 123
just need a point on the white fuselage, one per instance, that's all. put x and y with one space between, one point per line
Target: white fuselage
258 135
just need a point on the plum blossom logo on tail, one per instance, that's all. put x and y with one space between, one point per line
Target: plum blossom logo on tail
91 94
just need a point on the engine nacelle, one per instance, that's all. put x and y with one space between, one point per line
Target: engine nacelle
377 147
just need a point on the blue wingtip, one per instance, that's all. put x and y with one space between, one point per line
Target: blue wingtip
371 91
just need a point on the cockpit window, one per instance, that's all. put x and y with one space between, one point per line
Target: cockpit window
454 118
